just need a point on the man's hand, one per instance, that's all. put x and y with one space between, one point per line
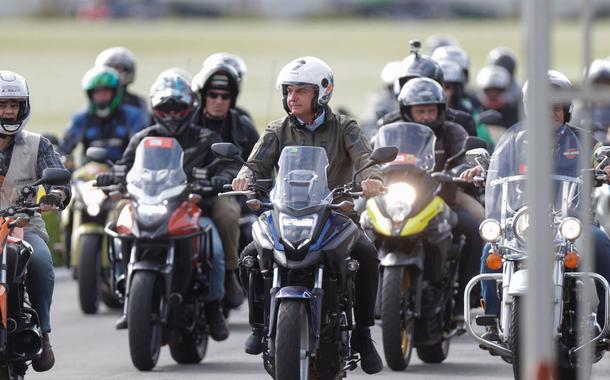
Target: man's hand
50 202
218 181
469 174
371 187
104 179
240 184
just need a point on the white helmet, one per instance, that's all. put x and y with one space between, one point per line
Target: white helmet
555 79
493 76
452 72
14 87
122 60
307 70
390 73
230 59
455 54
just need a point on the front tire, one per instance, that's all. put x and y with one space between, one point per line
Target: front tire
514 341
435 353
89 269
397 333
189 349
292 341
143 319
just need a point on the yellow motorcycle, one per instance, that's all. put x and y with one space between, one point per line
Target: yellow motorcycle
89 212
411 226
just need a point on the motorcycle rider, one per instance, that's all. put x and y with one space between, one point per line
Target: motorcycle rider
599 75
418 65
217 85
493 90
106 122
567 147
385 100
240 67
502 56
459 56
307 86
124 62
423 101
25 156
174 106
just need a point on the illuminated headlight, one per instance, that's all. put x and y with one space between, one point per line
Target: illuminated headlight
570 228
93 209
490 230
520 225
150 214
297 232
399 201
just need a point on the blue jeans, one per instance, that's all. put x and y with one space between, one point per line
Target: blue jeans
217 272
601 244
40 279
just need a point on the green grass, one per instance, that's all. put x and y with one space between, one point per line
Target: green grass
53 55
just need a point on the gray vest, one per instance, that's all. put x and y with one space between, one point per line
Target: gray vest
21 173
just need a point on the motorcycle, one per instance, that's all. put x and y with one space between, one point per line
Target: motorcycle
505 229
411 226
304 243
169 260
91 209
20 334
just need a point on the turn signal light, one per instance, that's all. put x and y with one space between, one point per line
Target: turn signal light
254 204
494 261
571 260
345 206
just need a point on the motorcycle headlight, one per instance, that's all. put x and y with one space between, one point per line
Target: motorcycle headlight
92 197
570 228
490 230
93 209
151 214
297 232
399 201
520 225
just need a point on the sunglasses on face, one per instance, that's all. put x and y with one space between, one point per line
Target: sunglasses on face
216 95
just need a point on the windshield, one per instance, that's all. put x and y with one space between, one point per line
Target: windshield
415 143
301 179
157 172
505 191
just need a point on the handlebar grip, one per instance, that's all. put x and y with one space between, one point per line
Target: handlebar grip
227 186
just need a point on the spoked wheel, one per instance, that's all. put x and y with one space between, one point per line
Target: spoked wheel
292 357
396 323
144 319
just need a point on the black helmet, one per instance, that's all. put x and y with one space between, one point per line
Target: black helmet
504 57
122 60
556 79
599 71
418 66
423 91
172 101
218 75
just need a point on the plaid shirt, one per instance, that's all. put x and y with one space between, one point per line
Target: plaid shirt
47 158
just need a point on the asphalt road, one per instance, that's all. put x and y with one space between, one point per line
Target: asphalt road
88 347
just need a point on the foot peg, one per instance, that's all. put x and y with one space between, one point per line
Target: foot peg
486 320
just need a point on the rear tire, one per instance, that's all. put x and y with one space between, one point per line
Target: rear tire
292 359
397 333
89 272
435 353
143 319
189 349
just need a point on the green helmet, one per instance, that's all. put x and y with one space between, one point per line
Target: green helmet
103 77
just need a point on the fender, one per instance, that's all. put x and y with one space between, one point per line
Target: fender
403 259
300 293
518 283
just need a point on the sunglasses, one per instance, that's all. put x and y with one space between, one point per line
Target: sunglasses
216 95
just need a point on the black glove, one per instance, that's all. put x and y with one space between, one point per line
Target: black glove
218 181
51 199
104 179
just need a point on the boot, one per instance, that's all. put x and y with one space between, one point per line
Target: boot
363 344
46 360
234 295
121 323
218 325
254 343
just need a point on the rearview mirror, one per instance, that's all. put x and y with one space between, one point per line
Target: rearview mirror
478 156
602 152
384 154
97 154
491 117
226 151
54 176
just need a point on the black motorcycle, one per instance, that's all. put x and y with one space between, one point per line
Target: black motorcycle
304 242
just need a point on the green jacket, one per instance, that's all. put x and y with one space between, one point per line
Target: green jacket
345 144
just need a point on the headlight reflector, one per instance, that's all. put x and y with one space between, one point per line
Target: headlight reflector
490 230
520 225
570 228
399 201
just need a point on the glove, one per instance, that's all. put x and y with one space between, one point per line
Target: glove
51 199
218 181
104 179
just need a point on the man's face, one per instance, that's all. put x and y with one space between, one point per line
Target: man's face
494 94
9 109
102 96
449 89
299 101
558 116
425 113
217 103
